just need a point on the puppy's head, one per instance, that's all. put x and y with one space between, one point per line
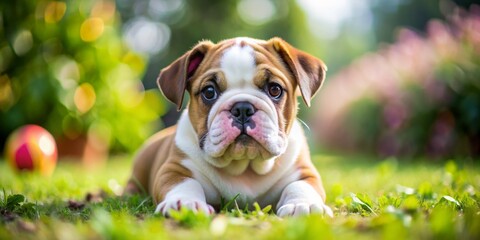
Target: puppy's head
243 97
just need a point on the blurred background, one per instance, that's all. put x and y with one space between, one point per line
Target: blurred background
403 79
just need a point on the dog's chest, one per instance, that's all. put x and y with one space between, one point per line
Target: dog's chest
247 187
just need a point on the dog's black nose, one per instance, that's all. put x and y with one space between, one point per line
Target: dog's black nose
242 111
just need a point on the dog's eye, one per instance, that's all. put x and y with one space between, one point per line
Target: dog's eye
209 93
274 90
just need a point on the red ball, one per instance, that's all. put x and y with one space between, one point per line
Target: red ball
32 148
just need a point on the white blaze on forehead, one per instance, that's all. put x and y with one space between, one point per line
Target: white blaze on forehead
238 65
248 40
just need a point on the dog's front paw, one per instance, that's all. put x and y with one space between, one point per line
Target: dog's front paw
300 198
298 208
176 204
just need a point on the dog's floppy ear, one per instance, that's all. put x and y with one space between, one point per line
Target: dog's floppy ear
308 70
173 79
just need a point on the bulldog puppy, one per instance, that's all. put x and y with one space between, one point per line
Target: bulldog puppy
239 133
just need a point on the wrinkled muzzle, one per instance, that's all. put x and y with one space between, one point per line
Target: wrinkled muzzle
243 128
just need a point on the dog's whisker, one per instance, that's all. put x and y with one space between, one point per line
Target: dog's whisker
304 124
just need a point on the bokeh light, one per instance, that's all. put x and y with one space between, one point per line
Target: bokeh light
326 18
6 93
22 42
91 29
165 8
256 12
146 36
67 72
84 97
54 11
104 9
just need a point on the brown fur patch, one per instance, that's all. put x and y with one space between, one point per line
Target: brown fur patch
157 166
308 172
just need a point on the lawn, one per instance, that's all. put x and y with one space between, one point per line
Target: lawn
392 199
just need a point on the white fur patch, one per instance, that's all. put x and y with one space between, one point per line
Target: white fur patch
238 65
248 40
262 167
300 198
237 167
188 194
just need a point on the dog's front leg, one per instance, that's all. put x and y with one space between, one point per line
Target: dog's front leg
301 198
174 191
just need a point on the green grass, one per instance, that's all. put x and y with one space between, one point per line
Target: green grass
389 199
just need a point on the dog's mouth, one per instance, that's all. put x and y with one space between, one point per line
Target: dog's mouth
245 147
244 138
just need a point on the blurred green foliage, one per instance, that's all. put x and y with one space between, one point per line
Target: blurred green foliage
65 66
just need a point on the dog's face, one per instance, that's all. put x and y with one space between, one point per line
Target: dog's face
242 97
